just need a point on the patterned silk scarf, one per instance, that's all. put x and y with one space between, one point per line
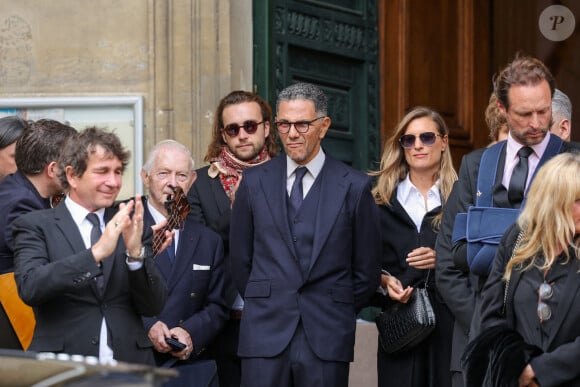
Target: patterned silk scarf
229 168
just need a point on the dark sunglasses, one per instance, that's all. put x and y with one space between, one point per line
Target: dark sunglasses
249 127
427 138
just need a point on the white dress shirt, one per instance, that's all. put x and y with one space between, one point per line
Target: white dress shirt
314 167
512 158
413 201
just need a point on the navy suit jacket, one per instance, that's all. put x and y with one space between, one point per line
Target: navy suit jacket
344 267
55 275
17 196
194 284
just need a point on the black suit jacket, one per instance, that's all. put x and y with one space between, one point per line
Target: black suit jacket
457 287
210 204
55 275
558 365
194 283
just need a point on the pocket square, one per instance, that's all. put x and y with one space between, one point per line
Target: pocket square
201 267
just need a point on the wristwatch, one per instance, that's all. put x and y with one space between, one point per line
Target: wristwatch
139 258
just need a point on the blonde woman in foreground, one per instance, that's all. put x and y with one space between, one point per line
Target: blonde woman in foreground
536 321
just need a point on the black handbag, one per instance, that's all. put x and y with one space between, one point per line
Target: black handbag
403 326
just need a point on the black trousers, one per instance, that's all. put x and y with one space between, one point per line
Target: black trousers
8 338
225 352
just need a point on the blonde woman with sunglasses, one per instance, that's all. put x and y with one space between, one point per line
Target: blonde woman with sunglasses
413 183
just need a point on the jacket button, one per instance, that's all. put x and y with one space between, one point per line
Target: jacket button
94 341
192 295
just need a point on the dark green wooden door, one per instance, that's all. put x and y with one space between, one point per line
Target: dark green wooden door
334 45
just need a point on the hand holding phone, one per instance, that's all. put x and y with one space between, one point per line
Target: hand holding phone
175 344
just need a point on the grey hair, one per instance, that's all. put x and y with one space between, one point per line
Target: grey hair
167 144
306 91
11 128
561 106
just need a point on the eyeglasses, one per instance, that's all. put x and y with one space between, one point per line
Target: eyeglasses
545 291
427 138
300 126
249 127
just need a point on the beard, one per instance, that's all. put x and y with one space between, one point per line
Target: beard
525 137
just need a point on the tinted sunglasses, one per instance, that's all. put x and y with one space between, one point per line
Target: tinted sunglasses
249 127
427 138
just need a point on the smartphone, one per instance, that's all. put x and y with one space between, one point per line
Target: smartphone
175 344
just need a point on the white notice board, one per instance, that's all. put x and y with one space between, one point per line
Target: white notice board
122 115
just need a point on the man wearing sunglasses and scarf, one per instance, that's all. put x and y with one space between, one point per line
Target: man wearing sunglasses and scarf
241 139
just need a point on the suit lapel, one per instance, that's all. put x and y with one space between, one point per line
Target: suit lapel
164 265
219 194
333 189
568 295
68 228
188 241
162 259
72 236
109 262
273 183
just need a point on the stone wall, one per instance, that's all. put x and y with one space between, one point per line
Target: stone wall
182 56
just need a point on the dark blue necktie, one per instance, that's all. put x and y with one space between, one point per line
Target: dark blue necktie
171 251
296 195
519 177
95 236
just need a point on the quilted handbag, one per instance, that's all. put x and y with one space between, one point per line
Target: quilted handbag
403 326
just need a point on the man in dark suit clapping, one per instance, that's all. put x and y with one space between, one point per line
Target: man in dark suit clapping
85 268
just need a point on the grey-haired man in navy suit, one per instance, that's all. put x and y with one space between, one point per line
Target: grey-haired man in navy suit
192 269
305 249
